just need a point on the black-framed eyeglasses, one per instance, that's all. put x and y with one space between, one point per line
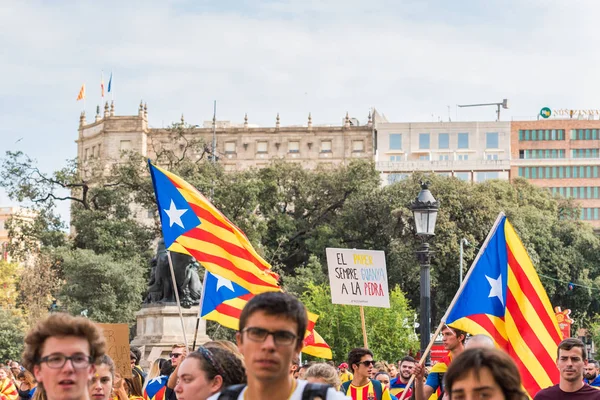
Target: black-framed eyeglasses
175 355
281 338
56 361
367 363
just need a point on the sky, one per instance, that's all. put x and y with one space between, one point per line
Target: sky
413 60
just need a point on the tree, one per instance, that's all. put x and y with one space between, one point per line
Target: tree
389 330
12 335
110 291
9 275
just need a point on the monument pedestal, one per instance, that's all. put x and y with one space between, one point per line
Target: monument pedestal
159 328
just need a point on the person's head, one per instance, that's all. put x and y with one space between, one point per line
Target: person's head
167 368
484 372
360 360
453 339
208 371
303 368
343 367
294 367
480 341
14 364
323 373
102 381
176 354
393 370
407 367
272 327
384 378
133 386
572 357
379 366
61 351
135 355
5 373
590 371
155 368
27 378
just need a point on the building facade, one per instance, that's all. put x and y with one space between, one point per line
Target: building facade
562 155
238 147
471 151
5 214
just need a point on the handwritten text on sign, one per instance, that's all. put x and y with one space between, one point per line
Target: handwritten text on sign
358 277
117 346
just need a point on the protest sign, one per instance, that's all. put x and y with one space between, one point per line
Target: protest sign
358 277
117 346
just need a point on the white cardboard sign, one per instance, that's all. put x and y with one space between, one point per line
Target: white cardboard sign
358 277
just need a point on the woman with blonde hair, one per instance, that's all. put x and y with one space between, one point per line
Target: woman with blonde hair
154 371
323 373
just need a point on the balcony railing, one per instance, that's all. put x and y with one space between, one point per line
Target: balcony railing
446 165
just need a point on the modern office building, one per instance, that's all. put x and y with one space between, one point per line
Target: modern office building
471 151
563 156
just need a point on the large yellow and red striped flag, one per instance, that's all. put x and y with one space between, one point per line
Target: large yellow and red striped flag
192 225
502 297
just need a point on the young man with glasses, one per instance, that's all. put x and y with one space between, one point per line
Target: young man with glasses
61 352
178 353
270 336
362 387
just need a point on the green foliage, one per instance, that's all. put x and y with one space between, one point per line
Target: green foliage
390 331
110 291
12 334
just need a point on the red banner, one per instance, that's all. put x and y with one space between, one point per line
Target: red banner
564 321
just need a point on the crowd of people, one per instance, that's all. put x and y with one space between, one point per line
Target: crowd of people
65 359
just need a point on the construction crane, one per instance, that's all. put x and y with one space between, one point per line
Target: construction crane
504 105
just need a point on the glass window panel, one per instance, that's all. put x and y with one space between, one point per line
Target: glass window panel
395 141
491 140
326 146
521 154
554 173
595 192
588 172
547 135
553 137
521 134
261 147
567 172
443 141
588 192
534 173
527 134
463 140
561 172
595 171
588 134
547 172
424 141
463 176
534 134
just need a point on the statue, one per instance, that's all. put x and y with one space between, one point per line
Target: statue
189 285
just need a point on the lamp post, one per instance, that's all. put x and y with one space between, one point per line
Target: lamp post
425 208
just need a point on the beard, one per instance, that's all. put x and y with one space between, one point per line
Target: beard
590 377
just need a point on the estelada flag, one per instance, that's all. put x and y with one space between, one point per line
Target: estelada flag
503 297
192 225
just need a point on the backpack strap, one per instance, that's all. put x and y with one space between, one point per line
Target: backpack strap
345 386
378 389
315 391
231 392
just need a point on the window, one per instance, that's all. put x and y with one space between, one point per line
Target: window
294 146
463 140
424 141
491 140
491 156
463 176
124 146
522 154
444 157
395 158
443 141
99 147
424 157
484 176
545 134
326 146
463 157
94 150
395 141
262 147
85 154
358 146
229 147
392 178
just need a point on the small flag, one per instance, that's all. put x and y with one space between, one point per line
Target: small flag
110 82
81 95
314 345
102 83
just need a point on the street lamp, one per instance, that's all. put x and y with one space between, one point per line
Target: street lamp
425 208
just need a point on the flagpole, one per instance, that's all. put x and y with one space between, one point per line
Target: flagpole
364 328
199 310
175 289
456 296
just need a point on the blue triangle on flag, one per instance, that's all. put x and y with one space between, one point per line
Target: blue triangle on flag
217 290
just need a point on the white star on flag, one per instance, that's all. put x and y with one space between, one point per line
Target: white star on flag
496 288
175 215
222 282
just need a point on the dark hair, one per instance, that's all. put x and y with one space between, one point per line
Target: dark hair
500 365
167 368
134 387
407 359
27 377
356 354
218 361
569 343
277 304
135 353
382 373
105 359
596 364
457 332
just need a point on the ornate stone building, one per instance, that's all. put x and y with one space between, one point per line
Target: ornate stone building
238 147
